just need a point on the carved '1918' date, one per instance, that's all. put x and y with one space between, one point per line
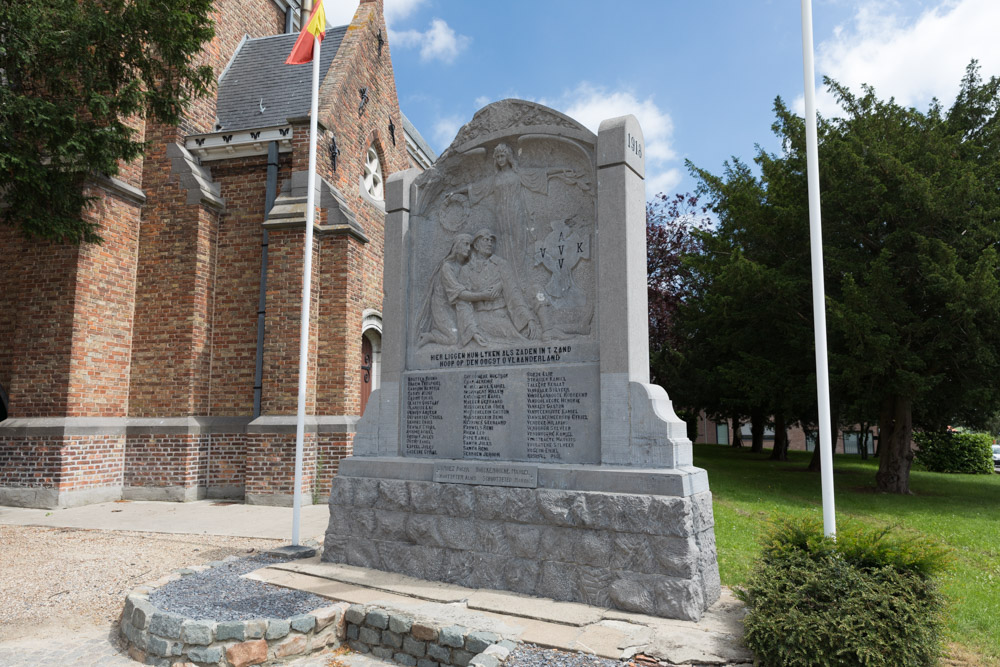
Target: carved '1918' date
635 144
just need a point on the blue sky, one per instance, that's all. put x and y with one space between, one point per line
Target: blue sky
700 76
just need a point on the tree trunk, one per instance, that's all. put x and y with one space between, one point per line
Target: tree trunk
737 438
895 426
814 462
757 423
780 451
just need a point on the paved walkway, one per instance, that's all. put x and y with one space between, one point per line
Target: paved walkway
95 649
98 649
202 517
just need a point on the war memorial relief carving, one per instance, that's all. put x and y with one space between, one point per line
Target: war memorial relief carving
516 442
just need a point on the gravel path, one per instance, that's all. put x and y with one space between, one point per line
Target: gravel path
528 655
532 656
222 594
74 579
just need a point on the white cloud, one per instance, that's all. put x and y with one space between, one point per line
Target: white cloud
397 10
665 182
912 59
591 104
439 42
445 130
341 13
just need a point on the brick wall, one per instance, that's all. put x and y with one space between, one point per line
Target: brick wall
30 462
92 462
227 465
282 323
164 459
171 355
103 312
42 319
338 375
234 331
10 277
70 327
330 451
66 463
270 464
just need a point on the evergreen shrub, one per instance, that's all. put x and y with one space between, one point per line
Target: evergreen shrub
955 452
868 598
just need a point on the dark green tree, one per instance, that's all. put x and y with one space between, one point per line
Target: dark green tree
910 212
75 76
749 330
911 209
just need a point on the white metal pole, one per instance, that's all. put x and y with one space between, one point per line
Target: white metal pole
300 421
818 289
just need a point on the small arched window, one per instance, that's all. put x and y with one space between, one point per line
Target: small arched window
373 181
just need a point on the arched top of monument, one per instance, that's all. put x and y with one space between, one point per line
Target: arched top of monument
516 117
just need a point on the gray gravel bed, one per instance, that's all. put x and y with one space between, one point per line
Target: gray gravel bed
222 594
529 655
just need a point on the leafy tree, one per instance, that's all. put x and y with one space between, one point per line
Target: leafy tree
749 330
75 77
671 226
911 206
910 213
671 223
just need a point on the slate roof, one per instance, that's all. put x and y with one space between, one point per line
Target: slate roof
259 76
418 138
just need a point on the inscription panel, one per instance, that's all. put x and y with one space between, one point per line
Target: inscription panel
539 414
423 399
501 474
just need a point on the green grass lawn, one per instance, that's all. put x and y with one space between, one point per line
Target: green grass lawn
960 511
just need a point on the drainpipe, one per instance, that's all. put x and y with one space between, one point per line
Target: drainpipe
270 194
289 16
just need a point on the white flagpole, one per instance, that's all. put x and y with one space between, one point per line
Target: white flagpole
818 288
300 421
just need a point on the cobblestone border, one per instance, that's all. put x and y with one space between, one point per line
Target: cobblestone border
165 639
395 636
162 639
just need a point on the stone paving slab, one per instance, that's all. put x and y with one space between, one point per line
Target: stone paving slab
715 639
377 580
570 613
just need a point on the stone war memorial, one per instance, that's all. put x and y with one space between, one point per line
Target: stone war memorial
515 442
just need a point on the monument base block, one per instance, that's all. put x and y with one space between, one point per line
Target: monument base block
638 552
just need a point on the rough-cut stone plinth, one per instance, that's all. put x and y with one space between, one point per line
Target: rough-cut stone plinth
641 553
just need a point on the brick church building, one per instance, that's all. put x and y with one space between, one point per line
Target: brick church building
163 364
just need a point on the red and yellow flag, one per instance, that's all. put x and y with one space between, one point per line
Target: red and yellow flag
302 52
